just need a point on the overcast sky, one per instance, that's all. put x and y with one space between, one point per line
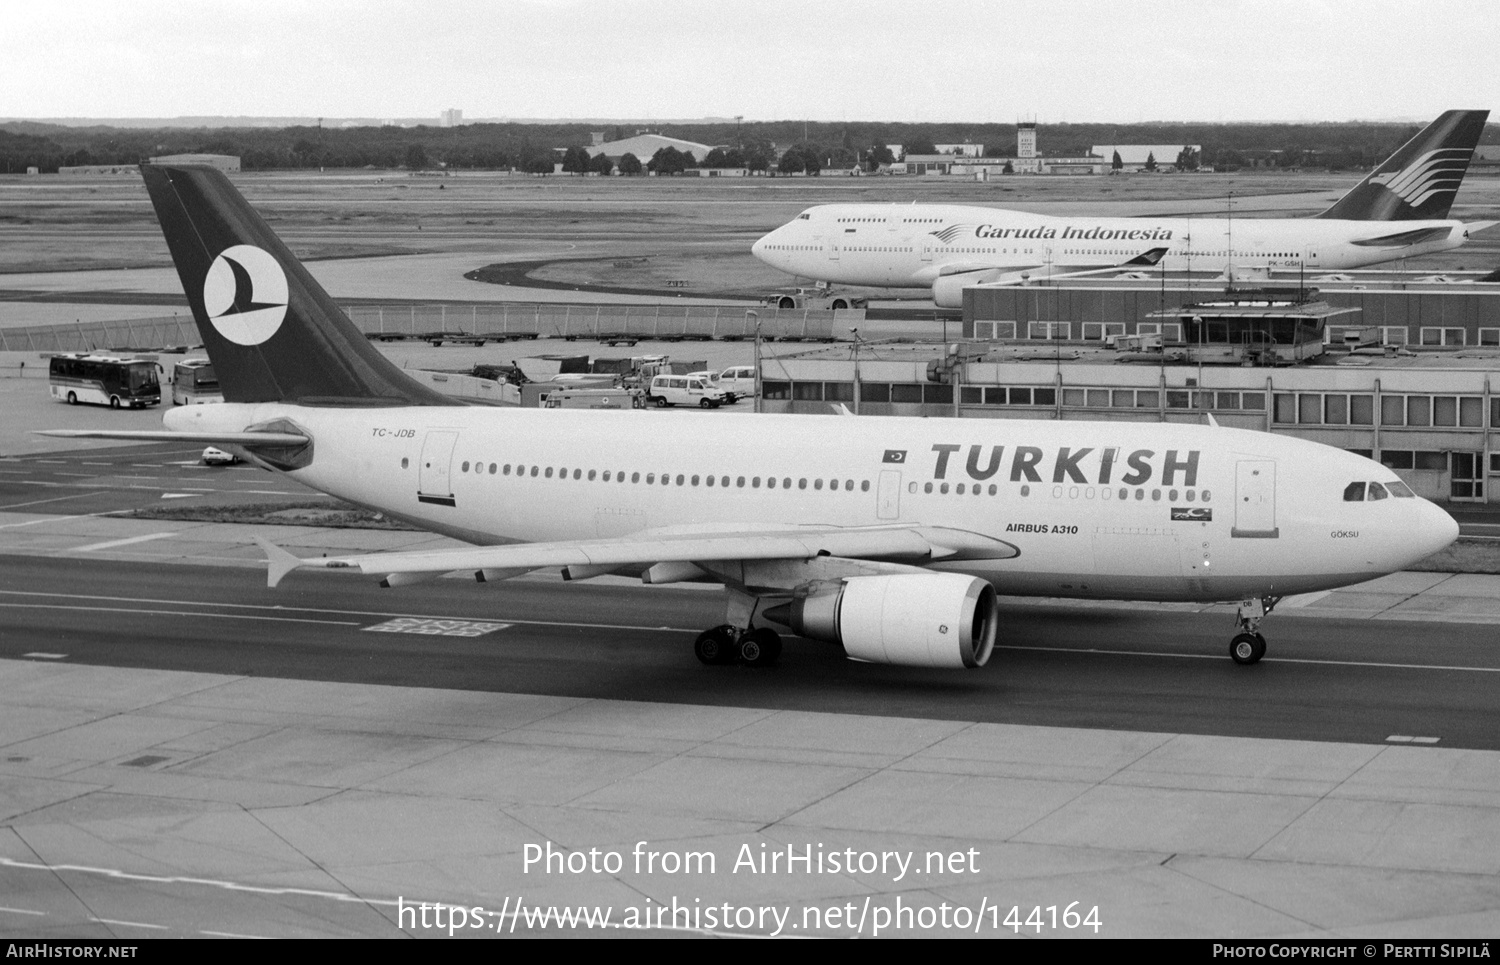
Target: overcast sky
898 60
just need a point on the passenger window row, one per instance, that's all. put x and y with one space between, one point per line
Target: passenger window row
665 479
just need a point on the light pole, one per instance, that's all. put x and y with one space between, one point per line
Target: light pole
756 316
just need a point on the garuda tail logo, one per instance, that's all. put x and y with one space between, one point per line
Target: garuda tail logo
1431 174
946 235
245 295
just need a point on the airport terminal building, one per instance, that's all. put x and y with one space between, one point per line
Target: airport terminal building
1412 380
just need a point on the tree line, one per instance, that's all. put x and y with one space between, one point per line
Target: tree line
759 146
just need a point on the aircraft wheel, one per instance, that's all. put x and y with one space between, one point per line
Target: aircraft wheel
1247 648
715 646
760 647
72 398
786 303
839 305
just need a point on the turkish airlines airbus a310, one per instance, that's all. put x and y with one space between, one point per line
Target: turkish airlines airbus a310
888 536
1399 211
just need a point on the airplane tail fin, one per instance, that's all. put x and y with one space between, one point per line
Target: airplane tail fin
272 332
1418 182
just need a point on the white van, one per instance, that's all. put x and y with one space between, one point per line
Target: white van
684 390
739 380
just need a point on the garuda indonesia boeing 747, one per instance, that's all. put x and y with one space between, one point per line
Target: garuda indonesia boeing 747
1399 211
888 536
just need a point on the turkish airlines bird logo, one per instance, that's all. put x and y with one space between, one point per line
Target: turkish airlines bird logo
245 295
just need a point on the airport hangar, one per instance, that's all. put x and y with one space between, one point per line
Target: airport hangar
1407 374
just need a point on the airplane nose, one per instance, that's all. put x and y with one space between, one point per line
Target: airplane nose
1435 530
759 248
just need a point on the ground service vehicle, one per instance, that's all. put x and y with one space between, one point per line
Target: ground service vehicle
104 380
194 383
667 390
819 299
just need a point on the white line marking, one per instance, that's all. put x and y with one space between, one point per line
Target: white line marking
1209 656
119 542
54 499
230 934
175 613
130 924
180 880
23 911
360 613
46 656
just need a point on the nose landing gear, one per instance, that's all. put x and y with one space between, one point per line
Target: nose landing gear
1248 646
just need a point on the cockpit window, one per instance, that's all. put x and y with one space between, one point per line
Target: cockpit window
1354 492
1377 491
1400 490
805 216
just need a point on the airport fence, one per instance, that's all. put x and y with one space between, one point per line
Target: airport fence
504 320
134 334
487 322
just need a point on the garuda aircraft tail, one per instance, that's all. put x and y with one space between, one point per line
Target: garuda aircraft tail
1418 182
272 332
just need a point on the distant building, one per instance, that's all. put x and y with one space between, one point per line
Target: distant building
966 149
1133 156
452 117
224 162
644 146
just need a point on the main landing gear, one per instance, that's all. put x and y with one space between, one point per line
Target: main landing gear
1248 646
725 644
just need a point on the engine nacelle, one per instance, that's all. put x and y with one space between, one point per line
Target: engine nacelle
948 291
916 620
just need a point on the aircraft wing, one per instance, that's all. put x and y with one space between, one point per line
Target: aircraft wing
908 544
166 435
1145 259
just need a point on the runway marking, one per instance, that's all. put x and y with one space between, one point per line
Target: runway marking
119 542
177 613
54 499
230 934
442 628
178 495
1403 739
46 656
1210 656
23 911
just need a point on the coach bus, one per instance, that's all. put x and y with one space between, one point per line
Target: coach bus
104 380
194 383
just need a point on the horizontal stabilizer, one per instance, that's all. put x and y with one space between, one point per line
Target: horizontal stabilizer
1404 239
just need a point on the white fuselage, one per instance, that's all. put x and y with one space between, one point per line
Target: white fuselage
1112 510
912 246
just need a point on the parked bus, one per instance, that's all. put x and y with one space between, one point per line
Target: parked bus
194 382
104 380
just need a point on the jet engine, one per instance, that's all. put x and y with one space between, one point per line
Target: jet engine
948 290
918 620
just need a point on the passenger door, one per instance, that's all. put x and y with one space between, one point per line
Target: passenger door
1255 499
435 472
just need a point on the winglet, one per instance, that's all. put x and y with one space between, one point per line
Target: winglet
278 561
1146 258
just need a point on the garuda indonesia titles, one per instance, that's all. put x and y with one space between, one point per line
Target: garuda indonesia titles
1399 211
